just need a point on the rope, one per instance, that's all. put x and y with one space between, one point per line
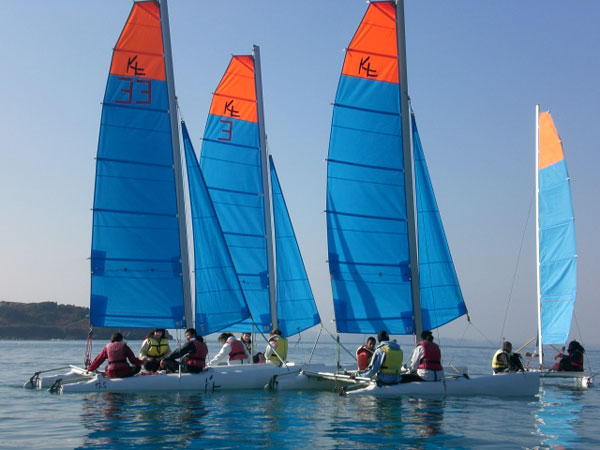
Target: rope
341 345
316 342
512 286
87 359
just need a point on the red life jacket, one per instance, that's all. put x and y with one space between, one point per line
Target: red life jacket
237 350
117 359
432 356
198 357
363 356
576 360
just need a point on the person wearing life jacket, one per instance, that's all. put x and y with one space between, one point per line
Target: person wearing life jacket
117 353
193 355
154 348
426 360
505 360
573 361
364 353
232 351
246 339
386 363
277 345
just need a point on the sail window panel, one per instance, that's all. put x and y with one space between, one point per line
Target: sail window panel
557 243
556 319
230 132
371 199
135 188
137 301
368 95
366 147
379 308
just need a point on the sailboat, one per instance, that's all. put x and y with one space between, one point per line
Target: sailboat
139 259
556 258
389 259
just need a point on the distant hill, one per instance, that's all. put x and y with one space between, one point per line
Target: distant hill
49 320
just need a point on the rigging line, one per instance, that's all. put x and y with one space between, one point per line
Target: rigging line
512 286
316 342
482 334
341 345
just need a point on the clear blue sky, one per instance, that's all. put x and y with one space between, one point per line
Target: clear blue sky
476 70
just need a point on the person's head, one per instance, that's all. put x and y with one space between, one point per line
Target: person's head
258 358
190 334
223 337
246 337
507 346
383 336
157 333
575 346
427 335
275 331
116 337
370 342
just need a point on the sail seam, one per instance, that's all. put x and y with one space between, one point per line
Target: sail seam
140 163
340 213
137 213
337 161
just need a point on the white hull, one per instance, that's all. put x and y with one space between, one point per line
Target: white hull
45 382
519 384
581 379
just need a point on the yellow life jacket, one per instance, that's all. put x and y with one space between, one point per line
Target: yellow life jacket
281 348
157 349
392 362
496 364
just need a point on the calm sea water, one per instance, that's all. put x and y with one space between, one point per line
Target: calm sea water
562 416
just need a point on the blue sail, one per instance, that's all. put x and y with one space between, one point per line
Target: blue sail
231 166
296 309
220 301
441 297
136 278
366 201
557 254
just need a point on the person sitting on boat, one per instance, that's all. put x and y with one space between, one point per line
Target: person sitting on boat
246 339
154 348
386 363
117 353
194 355
505 360
365 352
259 358
573 360
232 351
277 345
426 361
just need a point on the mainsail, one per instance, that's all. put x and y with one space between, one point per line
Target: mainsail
234 164
369 217
557 259
219 298
136 253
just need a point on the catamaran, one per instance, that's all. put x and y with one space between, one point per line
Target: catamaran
556 258
389 259
139 259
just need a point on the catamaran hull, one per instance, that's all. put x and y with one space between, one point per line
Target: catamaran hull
522 384
74 374
580 379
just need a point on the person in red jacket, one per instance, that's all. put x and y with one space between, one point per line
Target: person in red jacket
195 352
117 353
426 361
365 352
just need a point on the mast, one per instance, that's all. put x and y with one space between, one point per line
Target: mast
272 276
177 167
408 170
537 231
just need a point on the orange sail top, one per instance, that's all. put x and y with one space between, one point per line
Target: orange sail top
373 52
235 96
550 144
139 51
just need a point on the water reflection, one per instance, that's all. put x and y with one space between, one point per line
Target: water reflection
127 420
557 416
